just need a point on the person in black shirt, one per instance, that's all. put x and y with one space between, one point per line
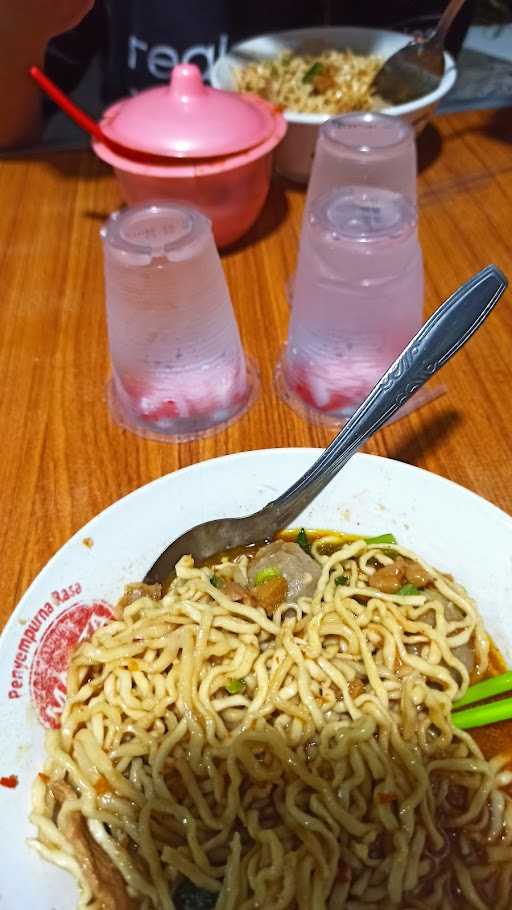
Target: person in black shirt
140 40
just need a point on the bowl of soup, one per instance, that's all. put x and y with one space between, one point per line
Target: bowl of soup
296 694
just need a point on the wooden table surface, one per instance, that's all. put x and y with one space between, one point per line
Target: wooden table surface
63 460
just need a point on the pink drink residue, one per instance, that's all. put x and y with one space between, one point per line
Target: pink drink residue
355 307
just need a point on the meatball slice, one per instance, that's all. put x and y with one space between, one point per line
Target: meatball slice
299 570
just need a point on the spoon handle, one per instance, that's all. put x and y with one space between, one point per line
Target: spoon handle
439 339
446 20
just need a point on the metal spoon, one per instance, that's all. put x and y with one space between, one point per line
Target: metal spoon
416 69
439 339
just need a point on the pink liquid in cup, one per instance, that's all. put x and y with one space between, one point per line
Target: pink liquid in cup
178 367
357 299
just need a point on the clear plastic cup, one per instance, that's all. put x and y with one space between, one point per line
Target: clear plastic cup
364 149
357 301
178 368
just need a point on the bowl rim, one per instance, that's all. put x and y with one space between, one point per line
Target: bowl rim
420 104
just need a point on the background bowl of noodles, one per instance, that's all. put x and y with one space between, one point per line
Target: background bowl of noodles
452 528
238 69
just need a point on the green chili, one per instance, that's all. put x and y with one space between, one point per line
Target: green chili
409 590
302 540
263 575
316 69
235 686
341 580
381 538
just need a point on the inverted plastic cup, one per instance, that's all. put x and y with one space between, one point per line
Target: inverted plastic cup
178 367
357 301
364 149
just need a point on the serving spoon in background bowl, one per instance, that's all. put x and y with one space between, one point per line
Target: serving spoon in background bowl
439 339
416 69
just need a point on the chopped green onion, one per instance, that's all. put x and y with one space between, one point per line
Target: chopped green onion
302 540
409 590
488 688
264 575
481 715
382 538
316 69
235 686
216 581
341 580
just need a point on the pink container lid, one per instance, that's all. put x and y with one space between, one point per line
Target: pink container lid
190 167
187 119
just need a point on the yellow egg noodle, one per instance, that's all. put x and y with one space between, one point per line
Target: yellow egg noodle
331 82
304 759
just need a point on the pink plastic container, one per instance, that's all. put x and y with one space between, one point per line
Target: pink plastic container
230 191
194 144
